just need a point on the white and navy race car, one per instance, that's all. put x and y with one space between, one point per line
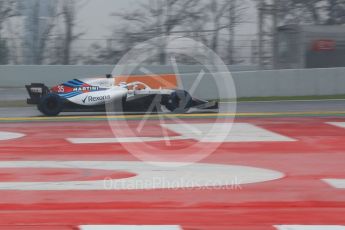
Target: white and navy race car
94 94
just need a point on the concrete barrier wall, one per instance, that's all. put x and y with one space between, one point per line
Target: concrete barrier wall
247 83
303 82
17 76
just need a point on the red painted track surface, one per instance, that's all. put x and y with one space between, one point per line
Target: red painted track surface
298 198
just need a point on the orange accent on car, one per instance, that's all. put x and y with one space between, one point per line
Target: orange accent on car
164 81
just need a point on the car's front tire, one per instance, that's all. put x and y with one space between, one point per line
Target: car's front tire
179 101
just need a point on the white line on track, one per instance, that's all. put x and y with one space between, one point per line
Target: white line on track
335 183
198 175
337 124
119 140
216 132
4 136
130 227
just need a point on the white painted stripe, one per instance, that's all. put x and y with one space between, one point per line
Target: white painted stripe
336 183
4 136
218 132
310 227
147 176
119 140
206 132
130 227
337 124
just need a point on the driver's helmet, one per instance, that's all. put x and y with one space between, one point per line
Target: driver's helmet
123 84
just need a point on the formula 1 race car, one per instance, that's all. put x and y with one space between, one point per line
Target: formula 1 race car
129 95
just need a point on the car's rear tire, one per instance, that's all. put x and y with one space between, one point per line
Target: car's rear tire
51 105
179 101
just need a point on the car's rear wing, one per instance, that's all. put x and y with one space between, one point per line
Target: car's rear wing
36 92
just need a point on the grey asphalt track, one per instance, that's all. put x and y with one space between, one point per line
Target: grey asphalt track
290 106
242 107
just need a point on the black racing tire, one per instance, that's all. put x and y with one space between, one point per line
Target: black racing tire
51 105
179 101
